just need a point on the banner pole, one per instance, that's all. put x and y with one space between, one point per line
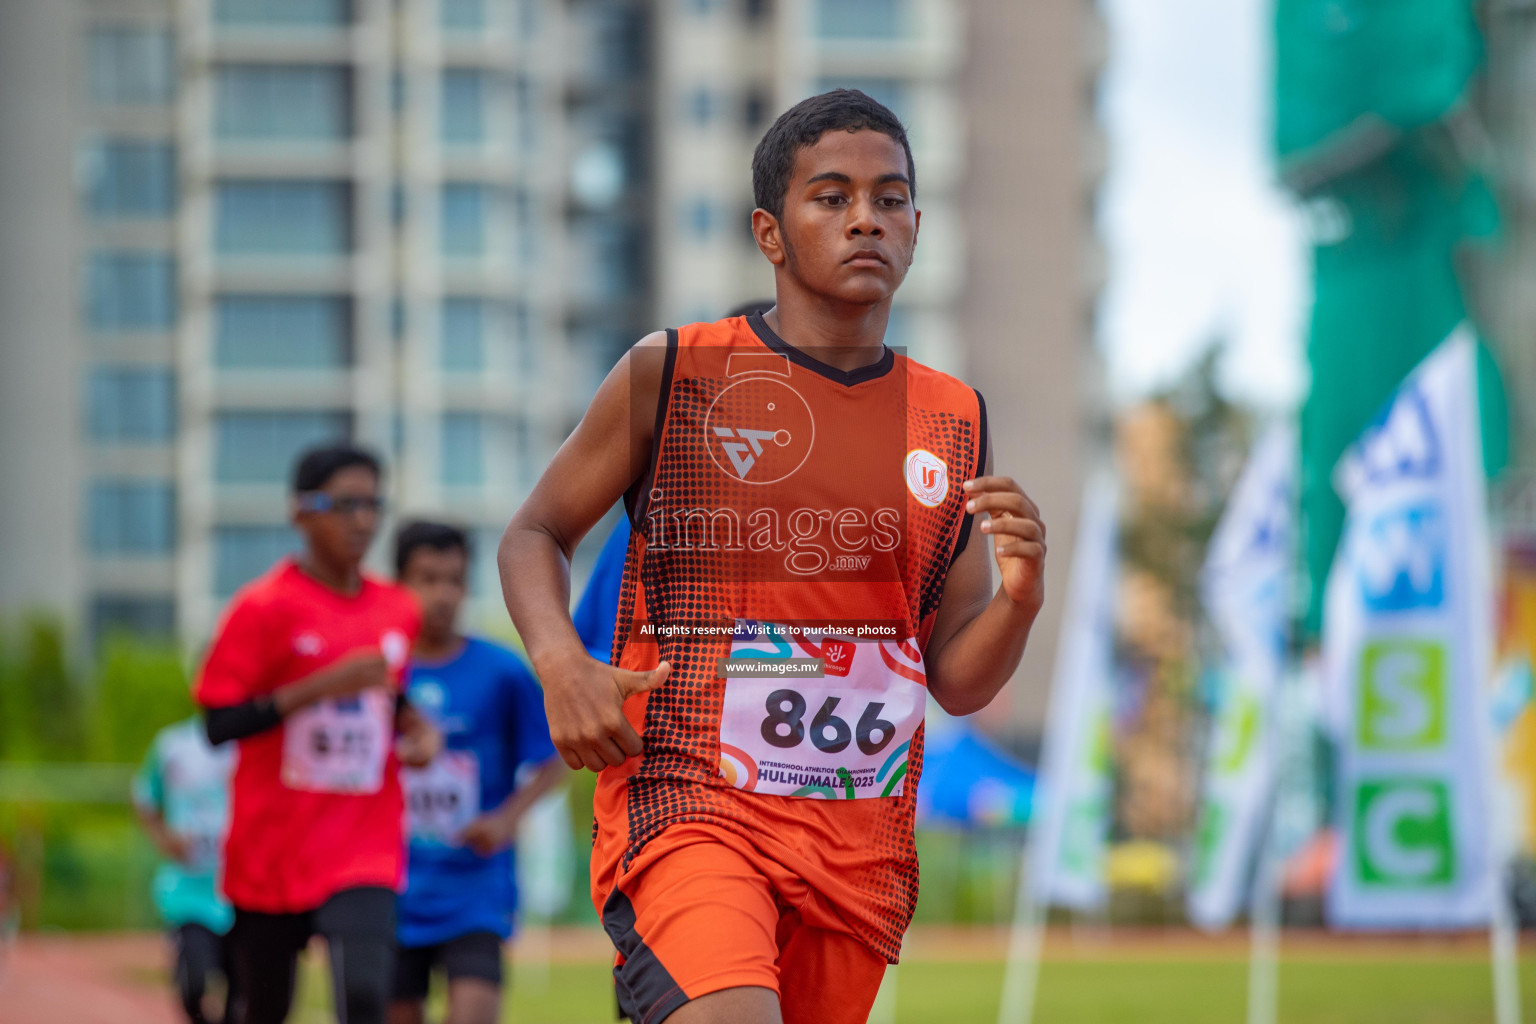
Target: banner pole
1026 941
1503 937
1264 929
1503 926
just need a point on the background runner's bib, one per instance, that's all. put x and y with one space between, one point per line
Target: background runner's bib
339 746
202 829
442 798
843 735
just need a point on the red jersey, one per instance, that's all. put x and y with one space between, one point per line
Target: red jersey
315 804
792 538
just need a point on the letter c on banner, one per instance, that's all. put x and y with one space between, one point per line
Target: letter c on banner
1385 849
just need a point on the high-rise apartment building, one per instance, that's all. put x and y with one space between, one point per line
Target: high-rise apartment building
269 223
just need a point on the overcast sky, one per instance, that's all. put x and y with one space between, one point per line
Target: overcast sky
1200 240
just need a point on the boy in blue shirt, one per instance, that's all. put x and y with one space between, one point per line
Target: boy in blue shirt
181 794
463 809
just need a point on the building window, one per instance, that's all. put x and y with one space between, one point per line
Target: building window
130 178
399 317
461 119
526 97
530 361
523 438
463 462
131 290
132 66
260 447
282 12
702 217
464 210
140 617
134 404
282 332
892 92
280 101
754 109
702 106
527 223
242 553
464 14
132 517
463 335
397 92
282 218
861 19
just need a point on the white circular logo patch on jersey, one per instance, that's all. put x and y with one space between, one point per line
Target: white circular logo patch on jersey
927 477
394 646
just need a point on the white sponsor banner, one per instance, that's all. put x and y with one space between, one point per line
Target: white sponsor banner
1245 588
1406 640
1073 788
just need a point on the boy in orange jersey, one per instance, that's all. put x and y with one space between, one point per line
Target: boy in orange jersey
810 561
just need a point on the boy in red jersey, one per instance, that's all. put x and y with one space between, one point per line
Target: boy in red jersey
815 522
305 671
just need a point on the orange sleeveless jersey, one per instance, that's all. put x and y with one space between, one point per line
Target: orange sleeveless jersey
783 490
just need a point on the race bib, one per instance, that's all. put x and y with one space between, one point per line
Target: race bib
339 745
202 827
442 798
815 716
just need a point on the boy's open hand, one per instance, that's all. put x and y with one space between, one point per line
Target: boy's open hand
585 705
1017 532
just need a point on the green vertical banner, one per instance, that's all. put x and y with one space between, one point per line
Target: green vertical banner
1406 645
1365 92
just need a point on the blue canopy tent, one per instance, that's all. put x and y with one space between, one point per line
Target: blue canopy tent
968 781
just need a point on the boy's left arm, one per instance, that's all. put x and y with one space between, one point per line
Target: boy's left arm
498 828
979 634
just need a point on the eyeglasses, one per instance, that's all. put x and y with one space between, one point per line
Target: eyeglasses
319 501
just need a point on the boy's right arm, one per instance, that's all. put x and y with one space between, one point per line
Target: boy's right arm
351 674
608 451
230 688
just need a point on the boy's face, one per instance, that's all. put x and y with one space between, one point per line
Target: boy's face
341 535
849 226
438 579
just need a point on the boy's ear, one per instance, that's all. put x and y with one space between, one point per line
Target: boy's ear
769 236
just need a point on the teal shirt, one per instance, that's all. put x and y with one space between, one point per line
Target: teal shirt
186 781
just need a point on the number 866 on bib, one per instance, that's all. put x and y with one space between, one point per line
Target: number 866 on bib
795 733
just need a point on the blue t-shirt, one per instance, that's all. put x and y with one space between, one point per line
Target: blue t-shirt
599 605
491 712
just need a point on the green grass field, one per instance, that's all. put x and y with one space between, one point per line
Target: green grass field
1434 985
